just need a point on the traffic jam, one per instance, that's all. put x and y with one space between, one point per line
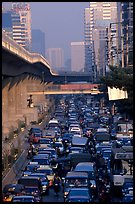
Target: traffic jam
83 154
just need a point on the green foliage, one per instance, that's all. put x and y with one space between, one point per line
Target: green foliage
121 78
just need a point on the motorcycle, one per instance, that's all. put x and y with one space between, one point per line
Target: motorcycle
56 188
30 154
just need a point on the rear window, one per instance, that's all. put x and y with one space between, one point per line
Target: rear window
29 182
41 161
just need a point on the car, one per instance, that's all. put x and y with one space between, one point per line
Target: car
106 153
30 181
127 186
30 168
42 159
76 149
127 198
53 151
75 179
44 182
48 171
103 145
67 137
11 190
123 141
24 198
36 137
34 130
75 158
44 141
90 168
33 191
79 195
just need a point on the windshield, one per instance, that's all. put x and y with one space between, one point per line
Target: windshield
76 182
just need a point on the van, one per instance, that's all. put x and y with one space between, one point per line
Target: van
75 158
90 168
75 179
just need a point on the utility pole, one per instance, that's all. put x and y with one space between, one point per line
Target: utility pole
117 44
122 50
126 45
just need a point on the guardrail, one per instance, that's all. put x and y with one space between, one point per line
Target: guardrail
15 169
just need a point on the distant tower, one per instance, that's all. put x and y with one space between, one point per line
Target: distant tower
98 16
38 41
55 57
77 56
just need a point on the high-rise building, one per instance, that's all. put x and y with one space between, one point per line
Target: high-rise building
55 57
19 14
22 23
77 56
98 16
127 29
38 41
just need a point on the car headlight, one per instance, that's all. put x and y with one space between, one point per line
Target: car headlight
44 187
65 193
93 186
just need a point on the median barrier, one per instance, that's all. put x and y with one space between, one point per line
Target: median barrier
15 170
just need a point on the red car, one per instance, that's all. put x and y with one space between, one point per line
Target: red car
35 137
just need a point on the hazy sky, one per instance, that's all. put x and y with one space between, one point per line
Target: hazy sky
62 23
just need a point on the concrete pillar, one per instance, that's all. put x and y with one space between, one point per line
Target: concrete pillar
12 107
5 118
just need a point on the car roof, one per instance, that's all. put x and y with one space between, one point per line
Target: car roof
23 196
44 167
74 174
81 188
29 177
86 164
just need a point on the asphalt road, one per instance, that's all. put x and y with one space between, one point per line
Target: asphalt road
52 197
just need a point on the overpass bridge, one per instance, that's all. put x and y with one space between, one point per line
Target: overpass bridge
69 89
24 74
18 64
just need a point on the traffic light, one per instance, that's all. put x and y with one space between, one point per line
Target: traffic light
30 102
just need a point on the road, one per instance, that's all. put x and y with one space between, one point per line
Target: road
52 197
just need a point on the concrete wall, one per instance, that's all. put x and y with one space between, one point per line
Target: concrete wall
14 104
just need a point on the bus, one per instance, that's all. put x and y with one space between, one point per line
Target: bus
121 165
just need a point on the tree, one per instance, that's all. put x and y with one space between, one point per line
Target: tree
121 78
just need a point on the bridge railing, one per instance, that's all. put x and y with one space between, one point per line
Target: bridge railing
14 47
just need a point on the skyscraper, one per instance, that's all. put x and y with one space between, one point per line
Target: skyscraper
98 16
55 57
22 23
19 14
38 41
127 29
77 56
